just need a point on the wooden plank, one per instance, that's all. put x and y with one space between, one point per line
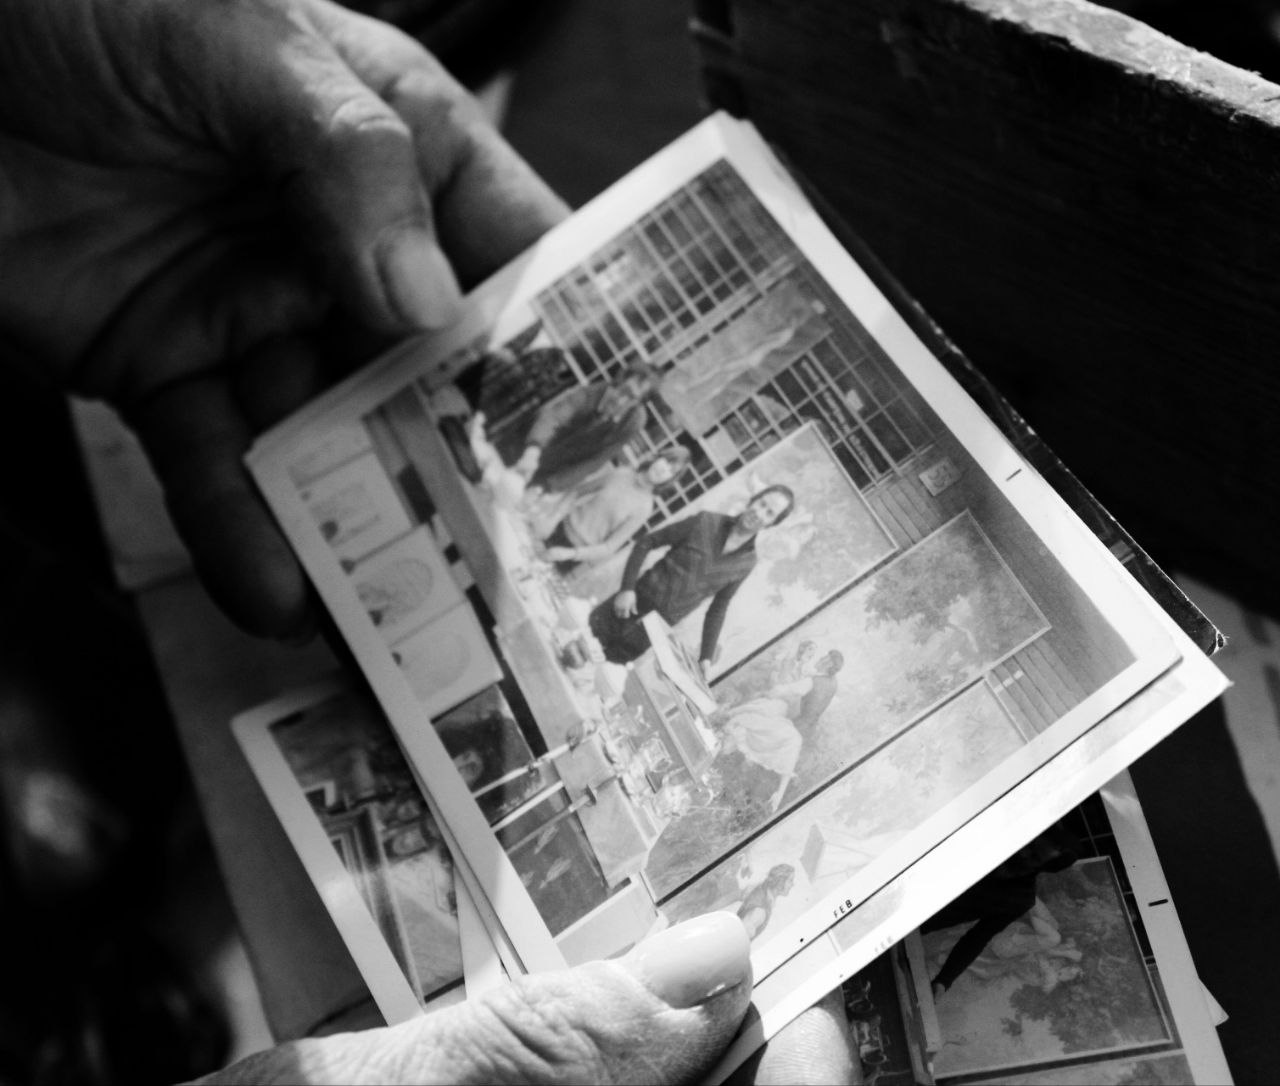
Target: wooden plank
1045 680
1068 677
1015 699
921 501
901 536
1033 165
1039 708
904 511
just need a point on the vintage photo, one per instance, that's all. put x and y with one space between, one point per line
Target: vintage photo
330 765
1042 972
1066 978
896 908
727 447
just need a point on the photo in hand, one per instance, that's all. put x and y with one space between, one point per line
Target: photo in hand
865 634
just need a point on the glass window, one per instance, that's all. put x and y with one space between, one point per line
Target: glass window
657 237
851 465
869 454
880 389
789 387
910 427
890 440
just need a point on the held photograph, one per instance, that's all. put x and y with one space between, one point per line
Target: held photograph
1045 971
331 768
776 606
1042 972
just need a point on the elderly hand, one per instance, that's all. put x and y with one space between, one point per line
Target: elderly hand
664 1013
199 201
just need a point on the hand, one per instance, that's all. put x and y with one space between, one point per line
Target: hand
561 554
664 1013
527 465
624 604
476 430
209 207
816 1047
705 665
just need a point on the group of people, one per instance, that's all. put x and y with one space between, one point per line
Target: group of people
569 453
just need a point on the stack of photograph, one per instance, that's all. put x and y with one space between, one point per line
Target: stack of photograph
682 576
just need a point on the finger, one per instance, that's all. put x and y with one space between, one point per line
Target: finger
488 204
275 377
816 1047
344 160
196 436
662 1014
196 426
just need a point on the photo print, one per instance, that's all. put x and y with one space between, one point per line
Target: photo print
733 450
1043 971
330 765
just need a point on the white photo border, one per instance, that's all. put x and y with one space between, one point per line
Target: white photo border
1085 560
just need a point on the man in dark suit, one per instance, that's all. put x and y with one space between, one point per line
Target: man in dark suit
708 555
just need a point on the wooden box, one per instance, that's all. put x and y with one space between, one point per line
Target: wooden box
1090 210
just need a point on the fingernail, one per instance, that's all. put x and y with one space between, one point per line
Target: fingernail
693 961
419 280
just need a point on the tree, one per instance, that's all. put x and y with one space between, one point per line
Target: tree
920 589
1111 1002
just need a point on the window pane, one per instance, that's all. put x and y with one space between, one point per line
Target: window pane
808 377
790 387
753 417
856 471
910 426
869 454
614 332
736 430
887 434
881 391
669 295
659 240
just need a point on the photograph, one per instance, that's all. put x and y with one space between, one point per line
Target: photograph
1047 969
734 447
1042 972
1067 978
406 584
330 765
1109 822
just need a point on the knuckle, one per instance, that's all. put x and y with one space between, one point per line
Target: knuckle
537 1035
365 125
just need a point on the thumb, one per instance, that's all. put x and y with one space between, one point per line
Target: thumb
344 162
662 1014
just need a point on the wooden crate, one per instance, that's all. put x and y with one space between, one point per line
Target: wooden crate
1090 210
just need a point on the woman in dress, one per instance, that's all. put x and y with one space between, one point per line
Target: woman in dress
761 730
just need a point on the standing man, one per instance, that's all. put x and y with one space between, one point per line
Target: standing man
709 555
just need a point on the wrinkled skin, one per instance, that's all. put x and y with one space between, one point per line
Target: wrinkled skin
206 210
199 200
